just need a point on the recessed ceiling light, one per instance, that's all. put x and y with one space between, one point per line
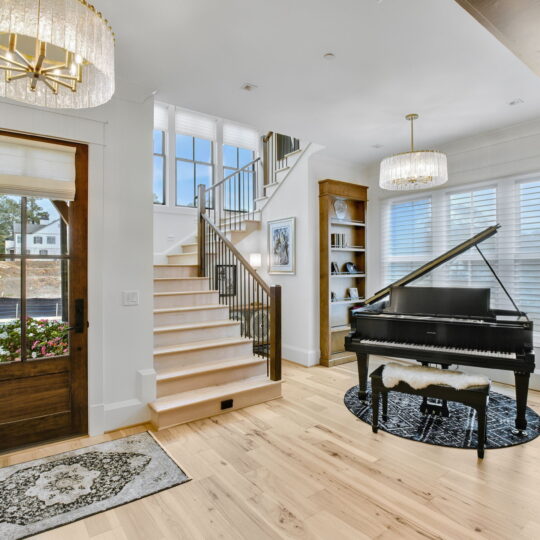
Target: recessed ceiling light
517 101
329 56
248 87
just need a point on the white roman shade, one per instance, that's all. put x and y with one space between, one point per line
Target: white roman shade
37 169
240 136
161 117
196 125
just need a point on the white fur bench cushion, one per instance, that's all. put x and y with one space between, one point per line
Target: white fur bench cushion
420 377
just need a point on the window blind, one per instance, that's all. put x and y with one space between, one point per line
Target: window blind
196 125
419 228
37 169
240 136
161 117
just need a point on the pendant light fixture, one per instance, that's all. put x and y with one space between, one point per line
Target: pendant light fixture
417 169
57 54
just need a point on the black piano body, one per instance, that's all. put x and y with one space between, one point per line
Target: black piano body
445 326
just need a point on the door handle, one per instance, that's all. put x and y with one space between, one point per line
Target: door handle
79 316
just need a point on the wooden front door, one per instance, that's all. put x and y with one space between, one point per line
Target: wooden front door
43 314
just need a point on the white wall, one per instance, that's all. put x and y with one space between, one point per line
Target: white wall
172 226
119 134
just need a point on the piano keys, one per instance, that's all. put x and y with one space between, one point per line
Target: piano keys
446 326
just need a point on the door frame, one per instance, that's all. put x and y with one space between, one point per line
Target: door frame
77 215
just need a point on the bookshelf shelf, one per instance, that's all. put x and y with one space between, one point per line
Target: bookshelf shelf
349 202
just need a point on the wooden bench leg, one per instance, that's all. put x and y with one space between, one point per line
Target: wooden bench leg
385 405
374 408
482 429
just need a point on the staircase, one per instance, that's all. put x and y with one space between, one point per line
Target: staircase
204 366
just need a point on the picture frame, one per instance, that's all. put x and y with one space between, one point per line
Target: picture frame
353 293
282 246
226 280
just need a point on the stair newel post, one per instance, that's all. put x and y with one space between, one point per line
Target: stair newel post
201 229
275 333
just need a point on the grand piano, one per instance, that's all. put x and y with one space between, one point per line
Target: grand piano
445 326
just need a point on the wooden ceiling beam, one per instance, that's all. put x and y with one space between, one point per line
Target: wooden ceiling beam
515 23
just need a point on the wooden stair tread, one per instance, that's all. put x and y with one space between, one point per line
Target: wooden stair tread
180 293
200 345
178 278
195 326
209 367
176 265
192 397
189 308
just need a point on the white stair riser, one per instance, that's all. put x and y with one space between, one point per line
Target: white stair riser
185 300
182 285
178 360
209 378
189 248
212 407
175 271
192 316
179 337
183 258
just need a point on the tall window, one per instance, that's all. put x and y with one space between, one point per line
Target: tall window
194 166
235 158
412 235
159 167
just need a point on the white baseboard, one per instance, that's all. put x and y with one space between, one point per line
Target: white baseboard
125 413
304 357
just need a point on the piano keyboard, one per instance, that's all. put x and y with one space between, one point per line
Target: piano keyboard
434 348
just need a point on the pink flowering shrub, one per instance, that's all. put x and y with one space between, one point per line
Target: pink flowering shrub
44 338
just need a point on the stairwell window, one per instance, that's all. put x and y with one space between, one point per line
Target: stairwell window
420 228
194 166
159 167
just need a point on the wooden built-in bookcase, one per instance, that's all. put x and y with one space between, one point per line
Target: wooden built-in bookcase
335 308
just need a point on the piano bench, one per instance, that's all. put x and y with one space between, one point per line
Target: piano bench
476 397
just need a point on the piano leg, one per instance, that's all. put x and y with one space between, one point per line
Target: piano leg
363 365
522 389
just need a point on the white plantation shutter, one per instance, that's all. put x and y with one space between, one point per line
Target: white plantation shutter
422 227
240 136
196 125
37 169
407 237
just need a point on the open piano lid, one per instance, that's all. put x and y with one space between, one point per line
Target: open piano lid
435 263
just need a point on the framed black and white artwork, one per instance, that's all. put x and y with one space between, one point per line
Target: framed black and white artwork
282 246
226 279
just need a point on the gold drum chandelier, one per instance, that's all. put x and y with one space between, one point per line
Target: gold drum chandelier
55 53
417 169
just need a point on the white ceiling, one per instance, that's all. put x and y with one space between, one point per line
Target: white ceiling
392 57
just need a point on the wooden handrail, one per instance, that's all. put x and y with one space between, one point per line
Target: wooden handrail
237 254
213 186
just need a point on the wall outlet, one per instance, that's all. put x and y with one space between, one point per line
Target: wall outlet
130 298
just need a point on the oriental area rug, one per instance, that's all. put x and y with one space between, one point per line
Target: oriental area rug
458 430
47 493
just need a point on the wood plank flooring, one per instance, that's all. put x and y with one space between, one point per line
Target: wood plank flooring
304 467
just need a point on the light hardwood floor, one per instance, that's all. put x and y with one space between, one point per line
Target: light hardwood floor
304 467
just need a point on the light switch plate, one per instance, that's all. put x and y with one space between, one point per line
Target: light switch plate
130 298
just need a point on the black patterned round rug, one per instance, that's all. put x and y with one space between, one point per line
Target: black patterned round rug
458 430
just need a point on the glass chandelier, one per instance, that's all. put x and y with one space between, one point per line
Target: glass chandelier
417 169
55 53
